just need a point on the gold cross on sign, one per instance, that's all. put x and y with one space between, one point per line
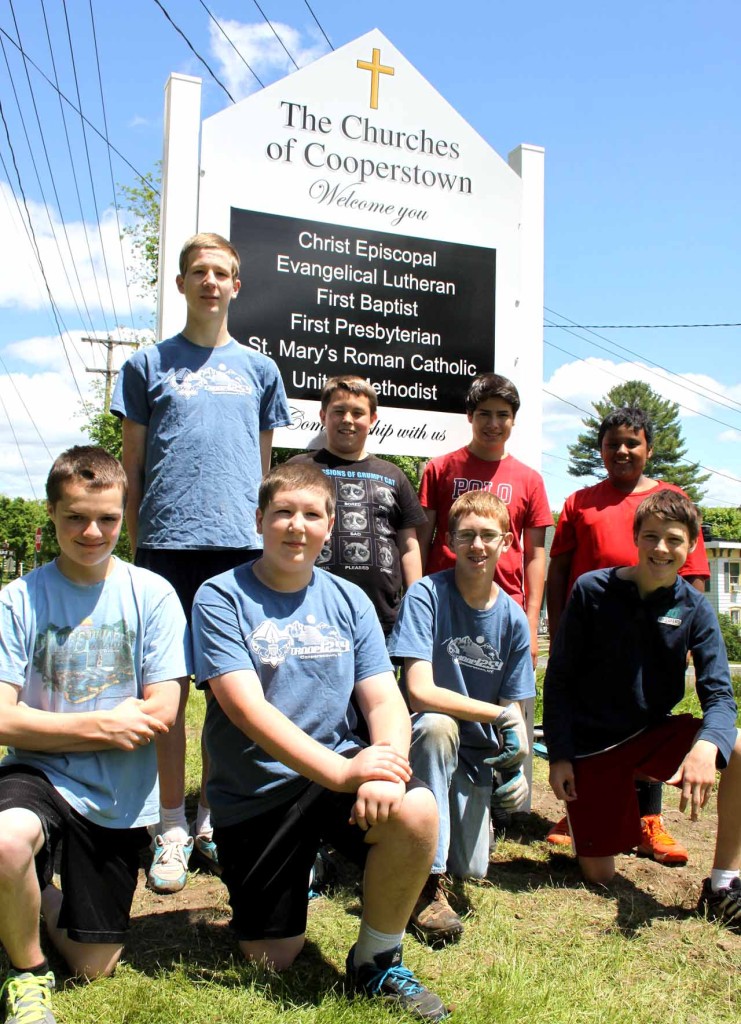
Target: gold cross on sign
376 68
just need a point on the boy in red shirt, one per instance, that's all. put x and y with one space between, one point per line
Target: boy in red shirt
492 403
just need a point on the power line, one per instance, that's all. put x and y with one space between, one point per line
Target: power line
193 49
639 327
270 24
110 168
232 44
320 27
721 400
34 65
20 453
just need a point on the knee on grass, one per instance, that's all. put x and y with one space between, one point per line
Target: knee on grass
275 954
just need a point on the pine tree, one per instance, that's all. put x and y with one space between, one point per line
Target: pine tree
668 461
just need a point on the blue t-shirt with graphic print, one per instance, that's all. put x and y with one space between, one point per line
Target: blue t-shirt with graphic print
74 648
481 654
204 409
308 649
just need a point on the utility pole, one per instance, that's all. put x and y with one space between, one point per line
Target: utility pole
109 373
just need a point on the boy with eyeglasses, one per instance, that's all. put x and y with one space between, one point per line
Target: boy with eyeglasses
466 647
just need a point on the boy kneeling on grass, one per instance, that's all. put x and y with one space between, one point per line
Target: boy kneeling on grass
615 673
284 646
93 654
466 646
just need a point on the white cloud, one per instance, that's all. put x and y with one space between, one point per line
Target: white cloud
262 51
730 435
44 407
82 272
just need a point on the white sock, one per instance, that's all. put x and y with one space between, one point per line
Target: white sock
720 878
371 942
173 823
203 821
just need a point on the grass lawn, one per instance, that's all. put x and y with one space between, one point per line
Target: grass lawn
539 946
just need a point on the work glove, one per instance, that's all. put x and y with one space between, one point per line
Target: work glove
513 791
512 733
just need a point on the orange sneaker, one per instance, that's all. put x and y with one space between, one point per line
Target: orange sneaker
559 834
658 844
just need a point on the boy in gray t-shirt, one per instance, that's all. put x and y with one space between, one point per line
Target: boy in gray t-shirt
283 647
93 655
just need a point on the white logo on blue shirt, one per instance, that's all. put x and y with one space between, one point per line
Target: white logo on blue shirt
217 380
274 645
477 653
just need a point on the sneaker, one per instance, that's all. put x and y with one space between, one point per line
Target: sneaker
388 978
658 844
433 919
169 870
26 998
206 847
559 834
723 905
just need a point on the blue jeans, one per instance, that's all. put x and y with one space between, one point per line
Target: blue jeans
463 841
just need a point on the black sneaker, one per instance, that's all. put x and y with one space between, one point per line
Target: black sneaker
724 905
390 980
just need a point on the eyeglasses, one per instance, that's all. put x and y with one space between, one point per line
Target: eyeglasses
467 537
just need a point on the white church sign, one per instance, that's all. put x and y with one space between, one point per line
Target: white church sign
379 235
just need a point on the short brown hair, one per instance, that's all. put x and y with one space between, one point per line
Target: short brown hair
671 507
295 476
88 465
352 384
479 503
492 385
208 240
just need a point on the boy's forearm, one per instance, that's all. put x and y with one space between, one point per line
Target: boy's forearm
410 556
425 695
425 532
266 450
55 732
557 586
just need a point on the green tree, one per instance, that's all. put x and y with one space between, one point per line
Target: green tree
19 520
725 523
143 202
668 460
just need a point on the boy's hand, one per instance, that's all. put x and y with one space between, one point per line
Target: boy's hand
128 727
377 763
513 792
376 803
561 778
696 777
512 732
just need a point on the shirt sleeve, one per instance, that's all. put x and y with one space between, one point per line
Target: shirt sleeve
713 682
558 697
538 511
413 634
564 539
274 411
14 650
518 682
411 512
218 645
167 648
130 398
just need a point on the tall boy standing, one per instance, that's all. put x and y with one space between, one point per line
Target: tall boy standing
492 403
374 542
92 655
198 416
631 628
466 647
595 531
283 646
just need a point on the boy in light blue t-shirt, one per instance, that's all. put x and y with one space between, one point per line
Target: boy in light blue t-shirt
466 646
93 655
284 646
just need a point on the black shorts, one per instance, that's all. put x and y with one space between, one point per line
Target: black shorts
266 860
99 866
187 568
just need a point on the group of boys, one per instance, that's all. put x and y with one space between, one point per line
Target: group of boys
308 739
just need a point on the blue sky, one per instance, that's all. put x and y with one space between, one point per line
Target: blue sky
635 104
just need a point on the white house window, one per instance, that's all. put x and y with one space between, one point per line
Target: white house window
733 577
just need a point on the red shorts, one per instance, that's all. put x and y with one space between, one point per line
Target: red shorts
605 819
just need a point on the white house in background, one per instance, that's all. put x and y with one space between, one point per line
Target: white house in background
723 589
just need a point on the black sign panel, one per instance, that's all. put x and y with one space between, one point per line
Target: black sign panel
413 316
